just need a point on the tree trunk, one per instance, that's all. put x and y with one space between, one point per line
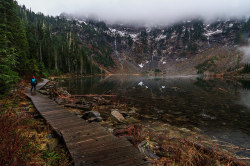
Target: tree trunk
41 56
81 65
56 66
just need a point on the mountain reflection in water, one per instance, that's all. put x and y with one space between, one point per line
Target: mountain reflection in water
219 108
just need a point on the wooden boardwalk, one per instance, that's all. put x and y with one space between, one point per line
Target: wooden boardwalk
88 143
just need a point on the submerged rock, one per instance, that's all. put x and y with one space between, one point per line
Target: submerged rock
92 116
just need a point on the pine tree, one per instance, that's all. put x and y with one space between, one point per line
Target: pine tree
8 47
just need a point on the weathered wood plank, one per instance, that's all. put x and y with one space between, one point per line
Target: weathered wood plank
88 143
110 155
130 159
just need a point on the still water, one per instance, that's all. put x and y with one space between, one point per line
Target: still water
218 108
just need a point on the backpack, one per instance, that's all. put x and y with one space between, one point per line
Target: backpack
33 81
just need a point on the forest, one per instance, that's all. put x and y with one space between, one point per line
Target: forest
34 44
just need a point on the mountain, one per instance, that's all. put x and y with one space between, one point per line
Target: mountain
172 49
34 44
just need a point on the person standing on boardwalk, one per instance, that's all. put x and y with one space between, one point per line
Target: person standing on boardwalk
33 83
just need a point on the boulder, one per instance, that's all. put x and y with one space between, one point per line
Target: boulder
92 116
117 115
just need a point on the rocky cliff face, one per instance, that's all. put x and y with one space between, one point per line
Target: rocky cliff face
136 49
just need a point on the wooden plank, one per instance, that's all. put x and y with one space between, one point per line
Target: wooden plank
110 155
77 127
74 141
62 115
81 132
88 143
133 159
97 141
92 141
54 111
70 125
107 147
93 95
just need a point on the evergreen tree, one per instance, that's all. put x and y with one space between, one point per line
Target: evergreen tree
13 44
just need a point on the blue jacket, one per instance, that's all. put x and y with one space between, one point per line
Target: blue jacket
33 81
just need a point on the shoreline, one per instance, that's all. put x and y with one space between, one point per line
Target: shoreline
238 76
137 132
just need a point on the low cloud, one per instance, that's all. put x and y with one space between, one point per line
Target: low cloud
245 98
246 54
146 11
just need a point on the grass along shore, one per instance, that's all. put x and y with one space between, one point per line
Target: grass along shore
25 138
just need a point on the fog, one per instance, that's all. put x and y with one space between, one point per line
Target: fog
246 54
146 11
245 98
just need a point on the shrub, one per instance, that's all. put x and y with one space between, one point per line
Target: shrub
157 70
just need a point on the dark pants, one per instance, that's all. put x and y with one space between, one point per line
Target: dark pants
33 86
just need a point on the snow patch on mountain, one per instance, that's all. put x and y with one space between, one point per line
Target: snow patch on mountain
211 33
115 32
134 36
82 22
160 37
141 65
231 25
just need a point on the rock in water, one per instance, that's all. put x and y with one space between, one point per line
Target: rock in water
144 148
118 116
92 116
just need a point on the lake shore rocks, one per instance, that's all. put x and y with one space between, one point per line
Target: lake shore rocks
92 116
161 142
117 115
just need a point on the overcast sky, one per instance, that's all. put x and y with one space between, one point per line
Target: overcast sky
149 11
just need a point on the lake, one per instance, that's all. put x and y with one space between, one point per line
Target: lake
218 108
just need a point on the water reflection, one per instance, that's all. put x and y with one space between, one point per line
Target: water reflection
218 108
